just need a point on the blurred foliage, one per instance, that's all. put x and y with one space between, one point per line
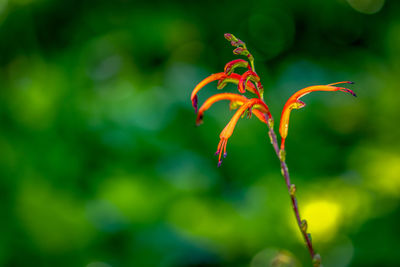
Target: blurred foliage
101 165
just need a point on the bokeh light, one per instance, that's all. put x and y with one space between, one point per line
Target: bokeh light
367 6
323 218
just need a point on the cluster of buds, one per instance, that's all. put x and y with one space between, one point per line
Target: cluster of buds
249 81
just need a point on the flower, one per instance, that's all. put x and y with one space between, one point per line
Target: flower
236 101
232 65
294 103
248 81
252 105
245 80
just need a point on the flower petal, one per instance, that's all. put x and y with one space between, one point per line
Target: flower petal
294 103
199 86
228 130
236 98
314 88
284 124
246 78
235 78
232 65
349 82
260 115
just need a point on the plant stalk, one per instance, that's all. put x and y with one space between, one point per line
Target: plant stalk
302 224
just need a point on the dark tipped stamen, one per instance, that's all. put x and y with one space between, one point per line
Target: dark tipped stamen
346 90
352 93
219 163
217 153
225 154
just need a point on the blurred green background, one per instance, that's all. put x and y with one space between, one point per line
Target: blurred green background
101 163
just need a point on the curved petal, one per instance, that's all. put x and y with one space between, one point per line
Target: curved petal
349 82
228 130
235 78
294 103
245 79
284 124
260 115
199 86
232 65
314 88
238 99
223 80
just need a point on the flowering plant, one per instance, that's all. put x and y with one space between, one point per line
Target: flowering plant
251 82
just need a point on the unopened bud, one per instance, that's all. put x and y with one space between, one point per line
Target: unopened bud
238 51
282 154
241 51
292 189
230 37
304 225
271 123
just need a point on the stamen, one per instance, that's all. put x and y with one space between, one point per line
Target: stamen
346 90
225 148
349 82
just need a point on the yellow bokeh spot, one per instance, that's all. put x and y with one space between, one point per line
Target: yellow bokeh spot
323 218
383 173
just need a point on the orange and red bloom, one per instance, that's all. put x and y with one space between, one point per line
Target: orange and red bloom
249 81
294 103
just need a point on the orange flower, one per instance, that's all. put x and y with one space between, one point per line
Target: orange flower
294 103
236 100
248 81
260 110
253 106
223 79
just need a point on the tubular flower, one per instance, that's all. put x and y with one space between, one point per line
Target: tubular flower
248 81
223 79
253 106
260 110
249 76
232 65
228 130
294 103
236 100
235 78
